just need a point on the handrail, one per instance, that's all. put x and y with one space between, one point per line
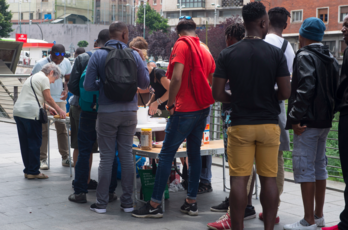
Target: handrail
15 75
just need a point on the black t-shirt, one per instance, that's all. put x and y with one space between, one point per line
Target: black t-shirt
157 86
252 66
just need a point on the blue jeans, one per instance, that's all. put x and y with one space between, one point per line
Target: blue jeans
87 136
181 126
30 139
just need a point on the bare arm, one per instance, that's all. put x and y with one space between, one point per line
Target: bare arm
210 79
219 92
65 91
284 88
51 102
166 84
175 82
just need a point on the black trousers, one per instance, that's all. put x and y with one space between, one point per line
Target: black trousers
343 147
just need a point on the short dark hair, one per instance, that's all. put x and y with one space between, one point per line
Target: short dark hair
278 16
79 51
235 30
103 36
253 11
58 48
186 25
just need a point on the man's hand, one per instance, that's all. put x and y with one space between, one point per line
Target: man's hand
140 52
172 111
298 129
64 95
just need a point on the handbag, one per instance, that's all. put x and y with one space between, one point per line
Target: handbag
42 112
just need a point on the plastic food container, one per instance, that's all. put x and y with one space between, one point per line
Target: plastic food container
146 139
142 115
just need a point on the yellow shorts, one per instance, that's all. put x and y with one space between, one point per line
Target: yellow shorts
247 143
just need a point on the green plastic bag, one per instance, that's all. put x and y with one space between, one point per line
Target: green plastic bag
147 182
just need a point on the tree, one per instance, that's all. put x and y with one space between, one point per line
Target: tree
82 43
5 20
135 31
216 36
153 20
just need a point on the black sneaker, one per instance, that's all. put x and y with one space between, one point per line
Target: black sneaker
78 198
190 209
147 211
112 197
223 207
249 213
92 185
95 208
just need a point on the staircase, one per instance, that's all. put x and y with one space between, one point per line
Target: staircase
7 95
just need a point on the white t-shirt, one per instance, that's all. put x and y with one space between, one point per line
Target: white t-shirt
57 86
278 42
26 105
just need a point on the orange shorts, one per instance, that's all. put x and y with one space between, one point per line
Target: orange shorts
249 143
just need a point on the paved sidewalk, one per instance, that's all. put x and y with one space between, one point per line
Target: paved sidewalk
43 204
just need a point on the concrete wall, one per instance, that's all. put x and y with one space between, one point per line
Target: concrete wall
69 34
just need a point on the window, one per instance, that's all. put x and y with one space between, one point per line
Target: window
192 3
40 16
21 16
31 16
296 16
343 12
161 2
198 14
155 2
210 14
173 15
331 45
44 0
323 14
343 46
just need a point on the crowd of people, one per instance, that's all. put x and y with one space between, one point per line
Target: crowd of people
251 78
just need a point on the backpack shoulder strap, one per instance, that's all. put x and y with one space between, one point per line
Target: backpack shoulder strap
108 48
89 53
284 46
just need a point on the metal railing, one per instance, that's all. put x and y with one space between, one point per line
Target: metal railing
332 152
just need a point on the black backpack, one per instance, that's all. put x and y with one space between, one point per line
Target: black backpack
121 81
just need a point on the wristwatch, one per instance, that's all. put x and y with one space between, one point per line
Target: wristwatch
169 108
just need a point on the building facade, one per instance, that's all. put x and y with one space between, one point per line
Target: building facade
71 11
155 4
331 12
203 12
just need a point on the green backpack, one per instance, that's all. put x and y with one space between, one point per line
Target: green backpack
88 99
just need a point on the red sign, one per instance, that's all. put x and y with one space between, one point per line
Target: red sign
21 38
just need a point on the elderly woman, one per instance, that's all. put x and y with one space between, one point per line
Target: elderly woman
26 115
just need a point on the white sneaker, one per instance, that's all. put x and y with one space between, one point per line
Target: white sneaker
127 210
299 226
320 222
65 163
43 165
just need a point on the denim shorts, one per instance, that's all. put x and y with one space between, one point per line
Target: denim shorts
308 157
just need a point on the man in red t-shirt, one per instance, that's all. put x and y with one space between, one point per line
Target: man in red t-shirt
190 67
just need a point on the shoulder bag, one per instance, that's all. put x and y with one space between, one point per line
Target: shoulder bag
42 112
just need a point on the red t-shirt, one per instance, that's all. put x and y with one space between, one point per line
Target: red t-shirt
185 100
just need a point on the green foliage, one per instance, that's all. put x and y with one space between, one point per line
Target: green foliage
153 20
82 43
5 20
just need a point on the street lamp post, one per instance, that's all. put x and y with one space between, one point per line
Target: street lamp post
144 15
19 15
180 7
216 6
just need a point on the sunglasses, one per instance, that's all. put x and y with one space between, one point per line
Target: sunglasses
57 54
185 18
